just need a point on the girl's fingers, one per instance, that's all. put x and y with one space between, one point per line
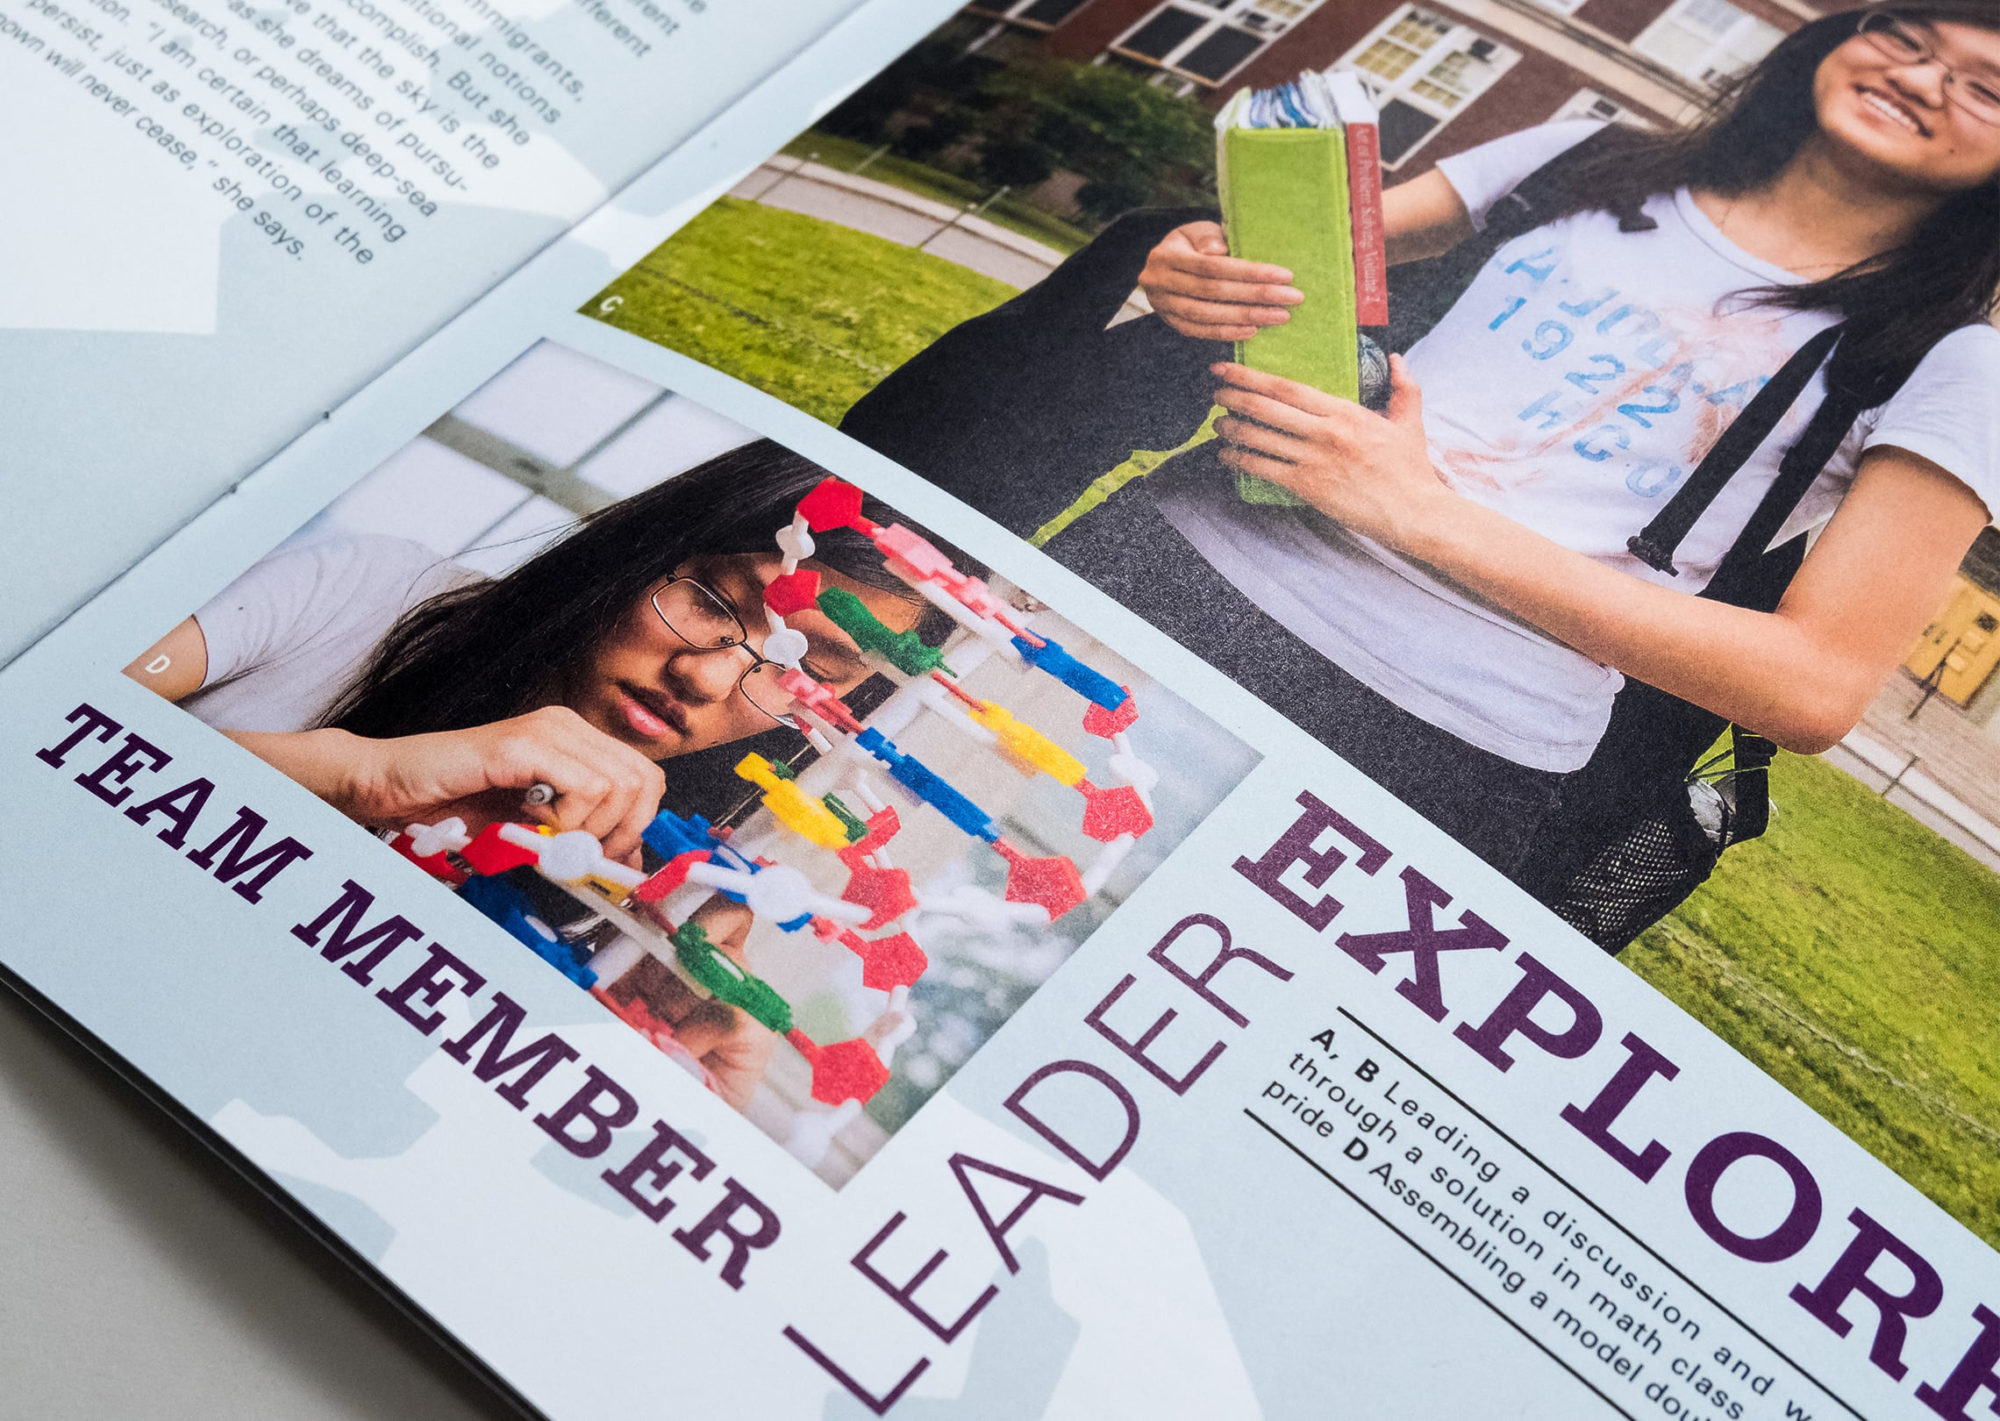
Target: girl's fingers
1204 237
522 757
621 789
1235 291
607 811
541 753
580 803
1261 465
1287 392
1245 435
1217 313
625 840
628 802
1217 267
579 788
1266 410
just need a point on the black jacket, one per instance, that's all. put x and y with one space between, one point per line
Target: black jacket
1016 411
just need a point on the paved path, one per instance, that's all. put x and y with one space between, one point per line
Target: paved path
1940 768
862 203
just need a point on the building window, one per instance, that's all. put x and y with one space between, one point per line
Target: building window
1219 53
1205 41
1042 14
1588 103
1164 34
1423 69
1710 41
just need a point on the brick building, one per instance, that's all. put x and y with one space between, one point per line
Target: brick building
1447 75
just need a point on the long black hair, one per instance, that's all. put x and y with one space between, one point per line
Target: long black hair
1898 304
491 650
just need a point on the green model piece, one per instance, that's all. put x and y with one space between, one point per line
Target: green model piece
905 651
728 982
856 830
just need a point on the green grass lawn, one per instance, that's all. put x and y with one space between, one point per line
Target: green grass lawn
1854 955
813 313
1850 953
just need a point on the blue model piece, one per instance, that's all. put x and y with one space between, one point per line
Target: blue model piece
1092 685
670 836
926 784
504 904
564 957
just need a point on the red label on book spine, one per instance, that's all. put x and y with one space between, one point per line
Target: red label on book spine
1364 196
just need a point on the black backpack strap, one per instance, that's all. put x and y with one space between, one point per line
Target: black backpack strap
1802 464
1653 737
1743 579
1798 469
1656 543
1750 756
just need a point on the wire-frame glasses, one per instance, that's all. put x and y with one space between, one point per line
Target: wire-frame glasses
1975 95
699 616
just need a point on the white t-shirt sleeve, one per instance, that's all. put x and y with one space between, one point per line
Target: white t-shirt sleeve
269 608
1946 412
1482 176
299 595
287 636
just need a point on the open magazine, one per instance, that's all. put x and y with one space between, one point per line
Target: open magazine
762 780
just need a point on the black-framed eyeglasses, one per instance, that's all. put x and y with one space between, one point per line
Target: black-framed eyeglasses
1896 39
702 618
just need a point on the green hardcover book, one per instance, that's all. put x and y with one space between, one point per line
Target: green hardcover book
1285 200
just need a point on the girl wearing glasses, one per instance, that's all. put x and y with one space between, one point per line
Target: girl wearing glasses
1472 581
400 689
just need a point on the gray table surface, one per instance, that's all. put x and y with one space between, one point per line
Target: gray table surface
141 1277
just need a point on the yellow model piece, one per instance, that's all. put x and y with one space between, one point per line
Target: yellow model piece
792 806
1027 747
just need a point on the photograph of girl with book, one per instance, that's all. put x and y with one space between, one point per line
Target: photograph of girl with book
1575 447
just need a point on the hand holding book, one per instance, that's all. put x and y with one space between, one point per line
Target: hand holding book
1301 191
1370 472
1204 293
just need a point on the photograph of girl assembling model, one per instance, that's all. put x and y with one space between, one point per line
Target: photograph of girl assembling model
1574 445
402 689
744 753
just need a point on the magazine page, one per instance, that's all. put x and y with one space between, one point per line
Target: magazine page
225 216
857 795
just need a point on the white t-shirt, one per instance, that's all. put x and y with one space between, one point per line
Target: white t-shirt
286 637
1573 386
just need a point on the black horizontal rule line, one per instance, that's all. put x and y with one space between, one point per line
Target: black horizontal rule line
1602 1213
1490 1305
